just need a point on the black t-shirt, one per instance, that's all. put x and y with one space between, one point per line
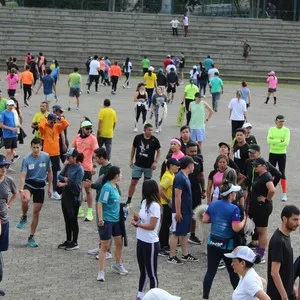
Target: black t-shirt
259 186
240 155
184 146
182 62
195 176
145 150
32 65
280 250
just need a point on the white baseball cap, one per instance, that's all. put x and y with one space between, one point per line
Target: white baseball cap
233 188
10 102
242 252
246 125
159 294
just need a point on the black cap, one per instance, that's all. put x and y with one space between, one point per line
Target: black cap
52 117
254 148
3 161
280 118
57 107
186 161
260 161
224 144
173 161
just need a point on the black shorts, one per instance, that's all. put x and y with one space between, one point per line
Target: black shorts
55 161
11 93
94 78
271 90
171 89
109 229
10 143
87 175
74 92
260 213
38 195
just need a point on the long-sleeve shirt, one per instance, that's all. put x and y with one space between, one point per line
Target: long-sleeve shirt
74 172
278 139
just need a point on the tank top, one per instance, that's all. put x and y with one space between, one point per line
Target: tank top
141 96
198 115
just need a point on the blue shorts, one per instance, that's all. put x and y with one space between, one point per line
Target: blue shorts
109 229
181 228
198 135
4 238
137 172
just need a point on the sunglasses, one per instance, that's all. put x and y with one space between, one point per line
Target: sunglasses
88 128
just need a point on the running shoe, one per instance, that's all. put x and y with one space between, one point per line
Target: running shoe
80 212
23 221
221 265
32 243
100 276
15 159
55 196
189 257
194 240
63 245
2 293
69 108
93 251
89 216
124 87
252 246
72 246
174 260
128 203
157 131
108 255
135 129
119 268
163 253
284 197
88 91
261 260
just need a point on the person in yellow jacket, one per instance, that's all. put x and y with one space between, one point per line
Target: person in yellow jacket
279 138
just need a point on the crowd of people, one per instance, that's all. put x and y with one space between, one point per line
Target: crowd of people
239 188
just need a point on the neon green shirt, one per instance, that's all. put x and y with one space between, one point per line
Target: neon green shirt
145 63
190 91
75 80
278 139
2 104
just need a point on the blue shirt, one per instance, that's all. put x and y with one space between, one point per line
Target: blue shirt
110 198
74 172
222 213
55 72
8 119
36 168
183 183
208 63
48 84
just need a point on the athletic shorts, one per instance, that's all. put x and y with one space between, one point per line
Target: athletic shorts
198 135
171 89
38 195
55 161
74 92
4 238
181 228
271 90
49 97
87 175
260 213
137 172
94 78
109 229
10 143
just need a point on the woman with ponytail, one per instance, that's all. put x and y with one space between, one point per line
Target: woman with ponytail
150 79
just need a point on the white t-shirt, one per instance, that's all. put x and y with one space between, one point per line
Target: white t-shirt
185 21
148 236
175 23
211 73
248 286
129 67
168 68
239 108
94 66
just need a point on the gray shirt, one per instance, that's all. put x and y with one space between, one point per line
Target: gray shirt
7 186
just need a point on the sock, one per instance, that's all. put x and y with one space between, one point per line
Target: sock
267 100
260 251
129 199
283 185
30 237
275 99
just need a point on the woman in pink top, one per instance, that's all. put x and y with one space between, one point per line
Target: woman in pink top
272 81
175 146
12 82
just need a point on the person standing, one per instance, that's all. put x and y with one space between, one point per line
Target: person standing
182 212
272 81
185 21
94 73
145 63
279 138
12 82
280 257
189 96
147 222
172 79
146 149
246 93
70 180
175 24
115 73
216 88
127 68
198 119
181 66
36 167
240 150
26 82
106 125
246 50
86 143
237 112
74 83
43 113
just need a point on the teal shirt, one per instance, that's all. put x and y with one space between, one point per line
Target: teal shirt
197 115
110 198
216 84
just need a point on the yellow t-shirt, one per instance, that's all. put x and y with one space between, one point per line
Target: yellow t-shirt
150 80
108 118
166 183
37 119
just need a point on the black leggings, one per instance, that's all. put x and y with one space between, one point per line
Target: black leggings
147 259
27 91
202 88
150 93
141 109
214 256
70 216
101 75
281 160
165 226
188 113
114 82
127 75
234 126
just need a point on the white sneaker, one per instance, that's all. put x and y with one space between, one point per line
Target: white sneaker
159 129
100 276
135 129
55 196
119 268
124 87
108 256
93 251
156 131
284 197
128 86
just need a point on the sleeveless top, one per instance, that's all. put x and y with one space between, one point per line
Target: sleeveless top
198 115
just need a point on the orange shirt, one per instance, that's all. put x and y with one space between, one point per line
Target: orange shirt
50 135
115 70
26 77
102 65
